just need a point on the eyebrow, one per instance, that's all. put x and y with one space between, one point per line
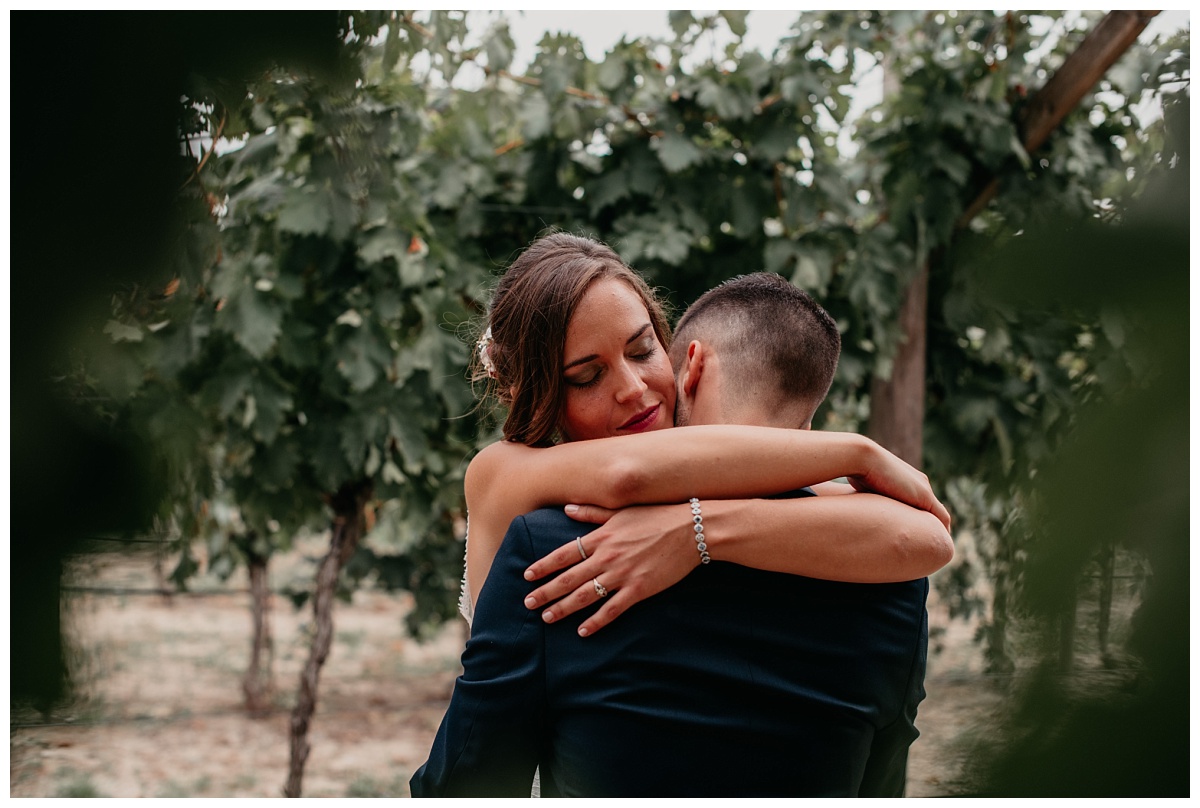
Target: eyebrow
636 335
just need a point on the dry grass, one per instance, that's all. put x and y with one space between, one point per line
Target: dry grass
158 711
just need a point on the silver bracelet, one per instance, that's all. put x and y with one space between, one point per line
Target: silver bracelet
698 526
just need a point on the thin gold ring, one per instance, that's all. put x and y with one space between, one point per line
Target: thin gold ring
579 544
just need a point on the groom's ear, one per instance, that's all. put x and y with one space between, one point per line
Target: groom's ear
692 369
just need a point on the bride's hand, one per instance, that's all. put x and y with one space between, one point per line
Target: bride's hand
892 477
636 553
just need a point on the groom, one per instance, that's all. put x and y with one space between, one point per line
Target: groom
733 682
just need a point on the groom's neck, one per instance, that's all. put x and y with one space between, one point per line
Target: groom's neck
752 414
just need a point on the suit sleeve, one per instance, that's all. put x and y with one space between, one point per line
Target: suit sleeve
887 766
488 742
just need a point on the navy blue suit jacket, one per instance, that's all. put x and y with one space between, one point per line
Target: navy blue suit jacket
733 682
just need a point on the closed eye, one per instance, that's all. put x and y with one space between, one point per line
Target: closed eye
646 343
649 349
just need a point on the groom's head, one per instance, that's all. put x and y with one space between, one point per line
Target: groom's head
754 350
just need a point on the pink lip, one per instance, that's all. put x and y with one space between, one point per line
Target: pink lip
642 421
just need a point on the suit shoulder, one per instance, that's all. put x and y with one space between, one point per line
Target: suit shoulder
550 519
548 528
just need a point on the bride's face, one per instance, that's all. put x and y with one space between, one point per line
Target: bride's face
617 374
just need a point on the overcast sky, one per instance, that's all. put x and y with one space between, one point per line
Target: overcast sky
600 30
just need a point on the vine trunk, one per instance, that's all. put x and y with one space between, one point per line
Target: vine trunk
257 684
344 535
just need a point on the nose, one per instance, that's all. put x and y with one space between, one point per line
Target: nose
630 384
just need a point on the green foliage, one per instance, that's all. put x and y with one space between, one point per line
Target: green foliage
306 338
1121 476
329 271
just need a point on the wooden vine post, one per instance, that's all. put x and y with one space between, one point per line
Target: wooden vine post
898 402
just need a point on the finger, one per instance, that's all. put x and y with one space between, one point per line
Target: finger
589 513
584 595
561 558
944 515
612 608
574 578
939 510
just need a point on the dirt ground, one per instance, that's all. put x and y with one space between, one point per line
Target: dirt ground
158 712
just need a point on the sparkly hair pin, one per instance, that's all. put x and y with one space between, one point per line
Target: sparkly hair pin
485 355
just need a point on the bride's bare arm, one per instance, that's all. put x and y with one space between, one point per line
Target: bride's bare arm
641 551
726 461
506 480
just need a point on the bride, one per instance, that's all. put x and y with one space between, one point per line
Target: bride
575 347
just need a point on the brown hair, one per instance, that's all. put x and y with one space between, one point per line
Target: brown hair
772 337
528 318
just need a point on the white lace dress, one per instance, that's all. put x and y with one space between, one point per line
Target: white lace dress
466 607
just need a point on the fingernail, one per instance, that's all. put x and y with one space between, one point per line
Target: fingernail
583 632
571 510
548 616
528 575
530 602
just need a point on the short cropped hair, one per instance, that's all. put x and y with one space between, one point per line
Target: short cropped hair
774 340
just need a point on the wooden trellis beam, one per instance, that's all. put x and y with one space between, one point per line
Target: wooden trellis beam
1082 70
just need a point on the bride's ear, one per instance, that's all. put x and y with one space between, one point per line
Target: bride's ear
693 368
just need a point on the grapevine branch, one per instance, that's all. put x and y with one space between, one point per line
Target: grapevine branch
204 160
532 82
408 20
